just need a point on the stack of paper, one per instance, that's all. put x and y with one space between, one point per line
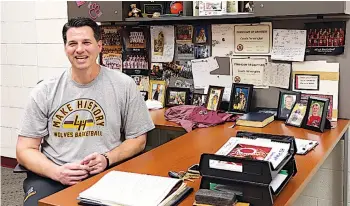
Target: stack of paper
258 149
124 188
154 104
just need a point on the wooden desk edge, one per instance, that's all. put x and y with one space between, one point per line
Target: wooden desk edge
315 169
293 196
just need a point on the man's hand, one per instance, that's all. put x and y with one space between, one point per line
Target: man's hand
96 162
72 173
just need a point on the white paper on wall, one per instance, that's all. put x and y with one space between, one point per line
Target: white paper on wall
162 43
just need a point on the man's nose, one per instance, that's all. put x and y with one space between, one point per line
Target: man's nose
80 48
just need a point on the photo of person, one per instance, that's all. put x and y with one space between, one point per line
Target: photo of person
185 51
159 44
199 99
134 38
135 61
201 34
315 114
157 91
240 99
177 98
156 71
213 99
297 115
287 103
201 51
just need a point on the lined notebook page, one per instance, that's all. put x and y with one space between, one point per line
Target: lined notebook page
125 188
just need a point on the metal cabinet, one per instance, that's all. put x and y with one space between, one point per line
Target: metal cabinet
285 8
99 11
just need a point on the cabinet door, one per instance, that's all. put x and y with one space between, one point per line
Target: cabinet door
283 8
108 10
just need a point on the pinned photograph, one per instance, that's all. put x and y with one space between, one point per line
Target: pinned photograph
177 96
241 95
286 101
159 44
185 51
184 33
135 61
156 71
201 34
141 81
134 38
214 97
316 114
297 115
201 51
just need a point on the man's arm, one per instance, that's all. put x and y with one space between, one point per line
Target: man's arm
130 147
28 155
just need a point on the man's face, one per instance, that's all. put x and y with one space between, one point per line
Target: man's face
288 102
82 48
315 109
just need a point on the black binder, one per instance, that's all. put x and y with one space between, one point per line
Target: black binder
253 183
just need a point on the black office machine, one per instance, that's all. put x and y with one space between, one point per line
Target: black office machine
253 183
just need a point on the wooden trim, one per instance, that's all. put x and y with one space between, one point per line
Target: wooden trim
8 162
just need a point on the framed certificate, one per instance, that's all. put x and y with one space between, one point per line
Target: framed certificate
251 39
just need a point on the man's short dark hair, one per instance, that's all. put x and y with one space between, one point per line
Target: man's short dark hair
80 22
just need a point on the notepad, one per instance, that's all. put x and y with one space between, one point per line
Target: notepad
129 189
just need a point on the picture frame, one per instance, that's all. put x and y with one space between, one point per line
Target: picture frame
316 114
144 94
176 96
297 115
214 97
157 90
286 102
241 98
199 99
307 82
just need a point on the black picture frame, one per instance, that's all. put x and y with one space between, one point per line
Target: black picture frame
282 112
235 100
297 115
316 122
169 102
144 94
211 91
313 75
199 99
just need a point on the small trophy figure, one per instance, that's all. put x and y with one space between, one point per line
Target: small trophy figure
135 12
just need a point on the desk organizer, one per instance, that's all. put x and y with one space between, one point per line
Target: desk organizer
253 183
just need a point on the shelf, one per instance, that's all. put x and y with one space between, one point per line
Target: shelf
171 19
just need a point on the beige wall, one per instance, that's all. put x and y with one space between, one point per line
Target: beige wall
31 49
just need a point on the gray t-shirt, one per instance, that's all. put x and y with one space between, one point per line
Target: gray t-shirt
76 120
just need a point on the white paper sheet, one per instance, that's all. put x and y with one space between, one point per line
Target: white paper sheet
278 74
288 45
222 39
162 43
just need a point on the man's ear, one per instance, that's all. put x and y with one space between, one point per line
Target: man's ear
99 44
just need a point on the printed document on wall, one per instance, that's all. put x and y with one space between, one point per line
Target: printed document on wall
248 70
278 74
288 45
222 39
162 43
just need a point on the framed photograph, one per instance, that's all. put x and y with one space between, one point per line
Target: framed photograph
307 82
201 34
185 51
201 51
297 115
176 96
286 101
316 114
330 116
241 95
184 33
214 97
144 94
199 99
157 90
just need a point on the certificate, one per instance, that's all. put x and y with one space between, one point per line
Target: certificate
248 70
253 39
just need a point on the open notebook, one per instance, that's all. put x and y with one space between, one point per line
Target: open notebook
129 189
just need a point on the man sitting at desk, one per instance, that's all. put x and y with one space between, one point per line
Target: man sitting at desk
72 124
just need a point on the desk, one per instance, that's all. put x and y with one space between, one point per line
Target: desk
185 150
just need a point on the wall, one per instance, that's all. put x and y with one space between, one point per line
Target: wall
32 49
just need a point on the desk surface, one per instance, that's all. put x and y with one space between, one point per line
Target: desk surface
184 151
